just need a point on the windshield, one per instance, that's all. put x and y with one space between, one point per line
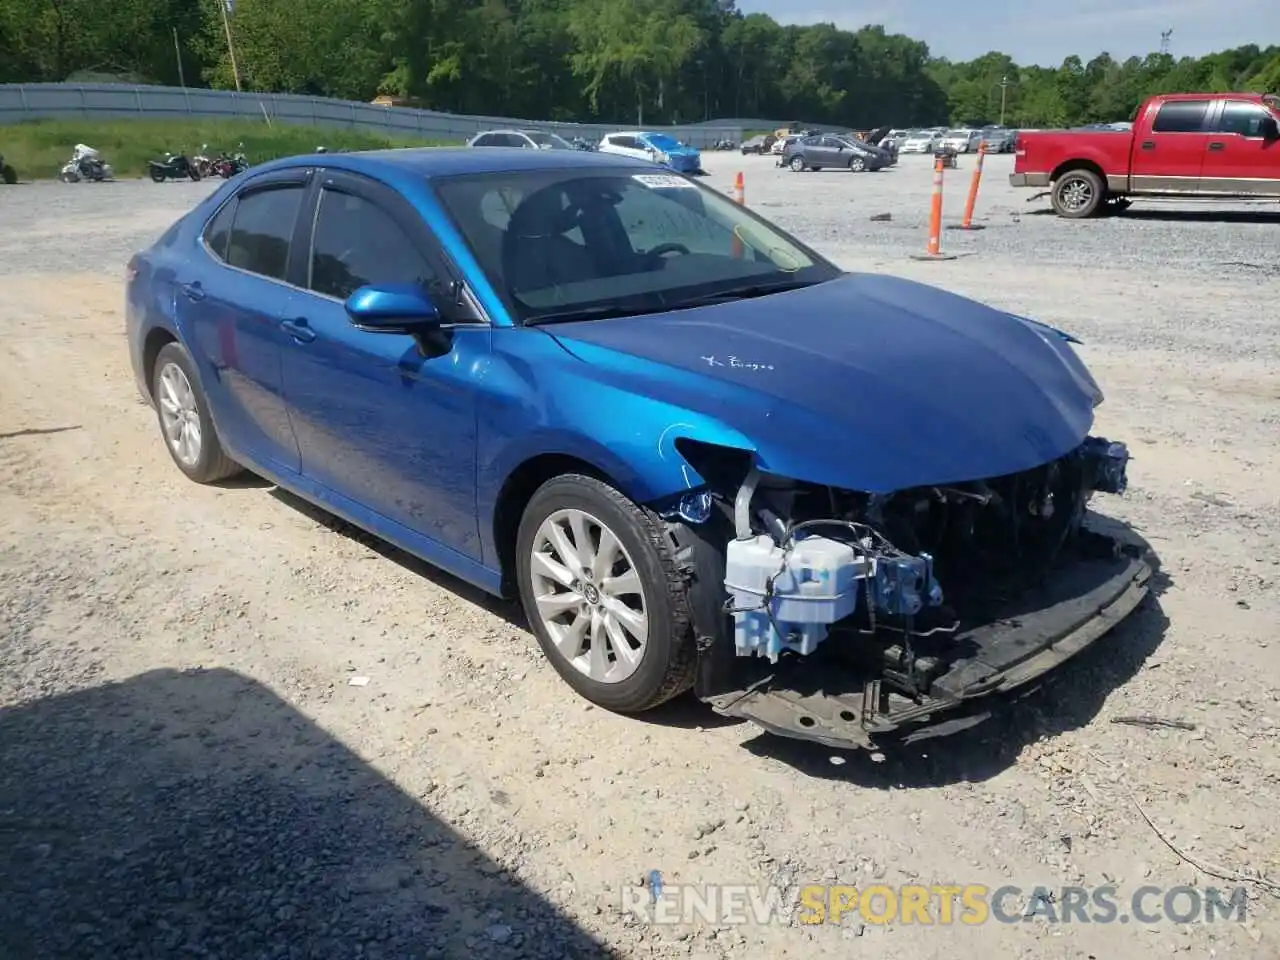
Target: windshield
569 244
663 142
548 140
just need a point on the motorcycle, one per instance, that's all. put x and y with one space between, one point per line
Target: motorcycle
201 161
228 166
7 173
85 164
174 166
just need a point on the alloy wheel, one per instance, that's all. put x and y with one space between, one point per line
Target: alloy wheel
589 596
179 414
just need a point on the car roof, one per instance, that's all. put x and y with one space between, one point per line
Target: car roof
428 162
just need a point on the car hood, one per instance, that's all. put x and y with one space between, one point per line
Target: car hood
864 382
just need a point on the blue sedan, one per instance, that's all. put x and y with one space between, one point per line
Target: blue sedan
700 454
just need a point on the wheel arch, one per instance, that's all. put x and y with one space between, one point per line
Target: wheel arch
1078 163
690 462
155 341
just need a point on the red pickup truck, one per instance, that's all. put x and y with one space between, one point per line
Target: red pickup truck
1181 146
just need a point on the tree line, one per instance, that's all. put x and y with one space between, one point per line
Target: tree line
643 61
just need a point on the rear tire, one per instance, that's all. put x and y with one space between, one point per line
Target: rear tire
8 174
563 586
797 164
1077 194
180 400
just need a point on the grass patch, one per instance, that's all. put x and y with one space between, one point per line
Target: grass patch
37 149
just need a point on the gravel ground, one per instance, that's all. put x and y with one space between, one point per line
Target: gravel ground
186 768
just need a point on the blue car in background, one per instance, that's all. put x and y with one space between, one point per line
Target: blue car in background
659 148
700 454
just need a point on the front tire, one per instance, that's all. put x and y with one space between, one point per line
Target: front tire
600 587
1077 194
8 174
157 176
185 424
857 164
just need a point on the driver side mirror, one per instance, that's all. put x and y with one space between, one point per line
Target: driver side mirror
392 308
1270 129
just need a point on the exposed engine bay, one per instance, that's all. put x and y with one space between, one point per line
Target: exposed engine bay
850 614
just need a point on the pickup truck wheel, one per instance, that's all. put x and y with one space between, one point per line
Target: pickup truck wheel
1077 194
601 588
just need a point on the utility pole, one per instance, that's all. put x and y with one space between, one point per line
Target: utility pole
178 51
1164 41
231 51
1004 89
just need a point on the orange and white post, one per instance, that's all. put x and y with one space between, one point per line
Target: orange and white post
967 222
739 196
934 249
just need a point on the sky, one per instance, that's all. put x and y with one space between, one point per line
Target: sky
1047 31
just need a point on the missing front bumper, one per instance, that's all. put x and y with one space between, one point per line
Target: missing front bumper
839 707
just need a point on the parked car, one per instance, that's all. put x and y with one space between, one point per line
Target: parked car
1185 145
568 377
815 153
658 148
759 144
998 140
528 139
960 140
780 145
918 141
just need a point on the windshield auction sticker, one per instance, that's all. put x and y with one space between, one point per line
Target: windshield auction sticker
662 181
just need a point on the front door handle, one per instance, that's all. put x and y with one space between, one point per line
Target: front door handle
1217 145
1148 144
298 329
193 290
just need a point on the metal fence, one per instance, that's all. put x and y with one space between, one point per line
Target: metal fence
94 101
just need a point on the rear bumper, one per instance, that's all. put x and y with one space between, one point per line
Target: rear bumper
834 706
1028 179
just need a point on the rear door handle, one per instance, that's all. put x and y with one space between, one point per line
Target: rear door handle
298 329
1148 144
1216 145
193 290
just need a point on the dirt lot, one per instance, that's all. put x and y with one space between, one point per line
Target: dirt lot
185 762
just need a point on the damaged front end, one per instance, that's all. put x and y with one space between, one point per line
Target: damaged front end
842 617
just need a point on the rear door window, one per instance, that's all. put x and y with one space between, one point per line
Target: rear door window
263 229
217 233
1181 116
1242 117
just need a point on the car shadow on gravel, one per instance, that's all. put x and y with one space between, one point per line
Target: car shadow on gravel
506 609
1068 697
197 814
